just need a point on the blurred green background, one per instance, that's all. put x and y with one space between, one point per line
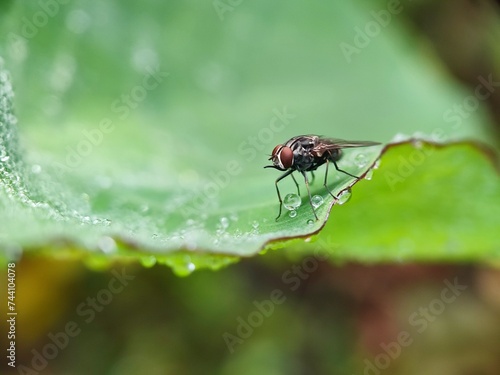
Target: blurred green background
360 70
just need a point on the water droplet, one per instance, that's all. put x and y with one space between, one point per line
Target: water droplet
344 196
144 208
369 174
143 56
418 144
35 168
255 224
190 223
184 267
310 222
5 158
148 261
376 165
224 222
61 76
99 221
233 217
292 213
399 137
292 202
361 160
106 244
78 21
317 200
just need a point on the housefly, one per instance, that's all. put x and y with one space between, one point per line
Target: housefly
305 153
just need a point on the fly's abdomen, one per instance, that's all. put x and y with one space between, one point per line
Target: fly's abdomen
335 154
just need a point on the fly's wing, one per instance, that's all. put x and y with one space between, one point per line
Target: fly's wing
330 144
341 143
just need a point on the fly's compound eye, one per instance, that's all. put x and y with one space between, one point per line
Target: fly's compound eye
275 151
285 157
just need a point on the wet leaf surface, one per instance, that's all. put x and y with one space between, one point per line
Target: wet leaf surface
128 152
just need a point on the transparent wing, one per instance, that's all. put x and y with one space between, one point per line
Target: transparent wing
341 143
325 144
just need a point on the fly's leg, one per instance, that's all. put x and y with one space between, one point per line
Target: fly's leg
313 177
296 184
341 170
325 185
338 169
278 190
309 193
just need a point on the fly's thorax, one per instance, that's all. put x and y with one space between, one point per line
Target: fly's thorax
303 159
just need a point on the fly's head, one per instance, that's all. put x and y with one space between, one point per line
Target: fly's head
282 158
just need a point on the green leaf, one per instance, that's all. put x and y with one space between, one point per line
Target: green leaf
131 152
427 202
114 216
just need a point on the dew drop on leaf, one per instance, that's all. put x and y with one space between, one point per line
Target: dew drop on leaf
361 160
369 174
292 213
35 168
418 144
317 200
106 244
148 261
224 222
344 196
292 202
185 268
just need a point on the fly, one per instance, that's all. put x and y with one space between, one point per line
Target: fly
305 153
